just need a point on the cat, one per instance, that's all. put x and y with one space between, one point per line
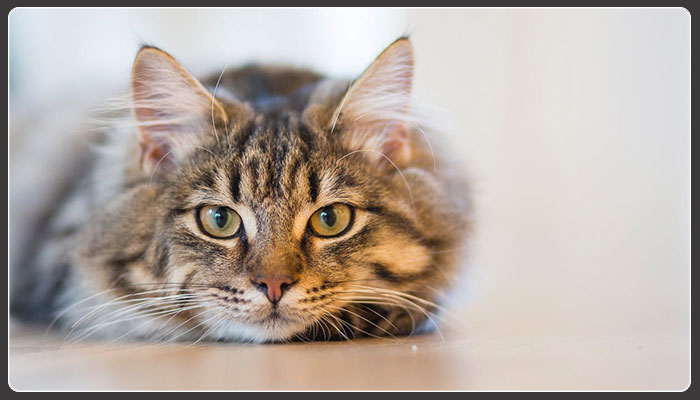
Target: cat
264 204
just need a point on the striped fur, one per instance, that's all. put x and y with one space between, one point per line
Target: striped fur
275 145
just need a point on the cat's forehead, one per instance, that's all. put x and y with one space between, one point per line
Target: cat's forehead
272 163
270 143
266 133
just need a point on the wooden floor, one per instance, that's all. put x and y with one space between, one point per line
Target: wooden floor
459 361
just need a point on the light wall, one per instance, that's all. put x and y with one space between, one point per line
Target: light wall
57 51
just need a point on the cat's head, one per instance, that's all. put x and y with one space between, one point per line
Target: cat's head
319 213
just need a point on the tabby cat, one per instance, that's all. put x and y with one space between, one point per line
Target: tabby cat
264 204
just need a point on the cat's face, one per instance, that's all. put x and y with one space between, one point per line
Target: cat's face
298 223
286 231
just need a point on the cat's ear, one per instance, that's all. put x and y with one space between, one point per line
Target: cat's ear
172 109
374 113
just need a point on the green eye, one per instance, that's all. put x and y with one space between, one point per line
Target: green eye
332 220
219 221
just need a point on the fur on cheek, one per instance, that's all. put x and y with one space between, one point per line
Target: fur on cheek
401 259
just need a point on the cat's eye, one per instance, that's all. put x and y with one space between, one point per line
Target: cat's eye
333 220
219 221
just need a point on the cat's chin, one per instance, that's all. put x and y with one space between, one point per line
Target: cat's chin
269 330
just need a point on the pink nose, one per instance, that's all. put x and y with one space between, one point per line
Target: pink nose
273 288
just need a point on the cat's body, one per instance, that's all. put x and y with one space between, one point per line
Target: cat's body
342 225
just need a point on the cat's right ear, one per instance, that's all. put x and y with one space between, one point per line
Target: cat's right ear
172 109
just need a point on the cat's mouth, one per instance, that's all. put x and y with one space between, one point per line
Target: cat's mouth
260 320
276 315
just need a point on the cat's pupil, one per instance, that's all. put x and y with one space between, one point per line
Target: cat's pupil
220 217
328 216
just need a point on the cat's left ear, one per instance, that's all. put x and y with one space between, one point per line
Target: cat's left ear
374 113
172 108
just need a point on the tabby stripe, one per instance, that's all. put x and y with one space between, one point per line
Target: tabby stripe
313 186
306 136
235 184
280 164
120 263
203 247
206 179
243 240
382 271
243 137
307 141
306 245
355 242
402 223
162 261
343 180
269 182
293 170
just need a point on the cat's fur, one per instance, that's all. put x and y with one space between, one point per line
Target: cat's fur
275 145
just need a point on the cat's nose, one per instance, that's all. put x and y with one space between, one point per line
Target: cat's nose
273 287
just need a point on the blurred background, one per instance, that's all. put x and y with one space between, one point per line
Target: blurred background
573 123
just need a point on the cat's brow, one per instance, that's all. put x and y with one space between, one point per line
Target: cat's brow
202 197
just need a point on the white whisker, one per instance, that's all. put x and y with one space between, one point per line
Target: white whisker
213 99
91 330
150 181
